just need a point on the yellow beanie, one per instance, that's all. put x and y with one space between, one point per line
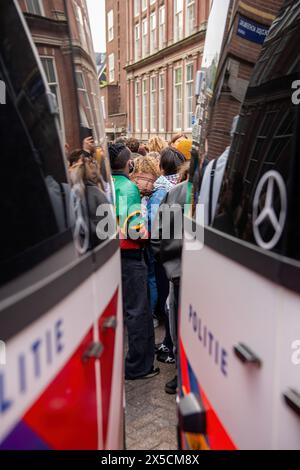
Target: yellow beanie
185 147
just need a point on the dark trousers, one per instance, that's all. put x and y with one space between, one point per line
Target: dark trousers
138 317
173 314
163 287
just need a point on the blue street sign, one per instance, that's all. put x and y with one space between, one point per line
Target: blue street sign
252 31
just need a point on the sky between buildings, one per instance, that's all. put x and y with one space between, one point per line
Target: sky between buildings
215 31
214 35
97 19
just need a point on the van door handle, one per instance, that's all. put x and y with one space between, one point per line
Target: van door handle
246 356
93 351
292 399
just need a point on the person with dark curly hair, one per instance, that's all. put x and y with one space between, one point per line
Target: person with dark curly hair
133 145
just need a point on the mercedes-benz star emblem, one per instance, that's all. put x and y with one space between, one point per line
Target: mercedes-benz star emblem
272 179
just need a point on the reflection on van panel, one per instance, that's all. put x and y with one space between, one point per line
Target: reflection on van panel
245 283
60 308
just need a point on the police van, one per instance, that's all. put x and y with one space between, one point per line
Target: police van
240 299
61 333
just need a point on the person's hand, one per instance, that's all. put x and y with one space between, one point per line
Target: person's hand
67 149
89 145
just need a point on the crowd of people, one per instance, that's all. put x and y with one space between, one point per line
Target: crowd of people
146 177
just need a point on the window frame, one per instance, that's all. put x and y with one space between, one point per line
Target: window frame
41 7
111 68
178 17
153 103
145 37
80 23
137 8
162 109
137 123
162 26
144 5
110 28
58 94
83 89
176 101
190 4
187 84
137 41
145 95
153 32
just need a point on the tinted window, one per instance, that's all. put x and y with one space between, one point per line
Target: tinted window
258 178
33 189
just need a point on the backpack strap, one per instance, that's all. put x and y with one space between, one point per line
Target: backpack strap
211 192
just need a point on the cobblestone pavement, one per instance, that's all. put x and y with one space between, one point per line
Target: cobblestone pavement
150 412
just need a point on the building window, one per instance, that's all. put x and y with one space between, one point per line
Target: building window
137 106
79 18
144 5
88 36
178 20
153 108
137 31
162 102
189 95
97 107
94 106
81 86
190 17
110 25
85 104
137 6
145 37
111 67
178 98
152 32
162 26
35 7
145 104
50 71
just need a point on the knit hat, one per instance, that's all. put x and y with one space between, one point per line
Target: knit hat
185 147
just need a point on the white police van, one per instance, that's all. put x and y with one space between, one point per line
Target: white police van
239 323
61 332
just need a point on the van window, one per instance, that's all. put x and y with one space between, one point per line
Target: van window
253 204
35 219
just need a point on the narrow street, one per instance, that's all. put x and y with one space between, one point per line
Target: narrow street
150 412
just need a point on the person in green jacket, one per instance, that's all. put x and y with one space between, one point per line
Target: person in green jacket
139 362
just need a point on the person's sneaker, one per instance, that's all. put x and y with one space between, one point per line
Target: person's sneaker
162 349
171 387
153 373
166 358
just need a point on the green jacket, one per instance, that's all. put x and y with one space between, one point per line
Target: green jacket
132 228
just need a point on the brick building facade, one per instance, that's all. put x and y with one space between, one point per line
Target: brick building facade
238 57
61 32
114 94
164 51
